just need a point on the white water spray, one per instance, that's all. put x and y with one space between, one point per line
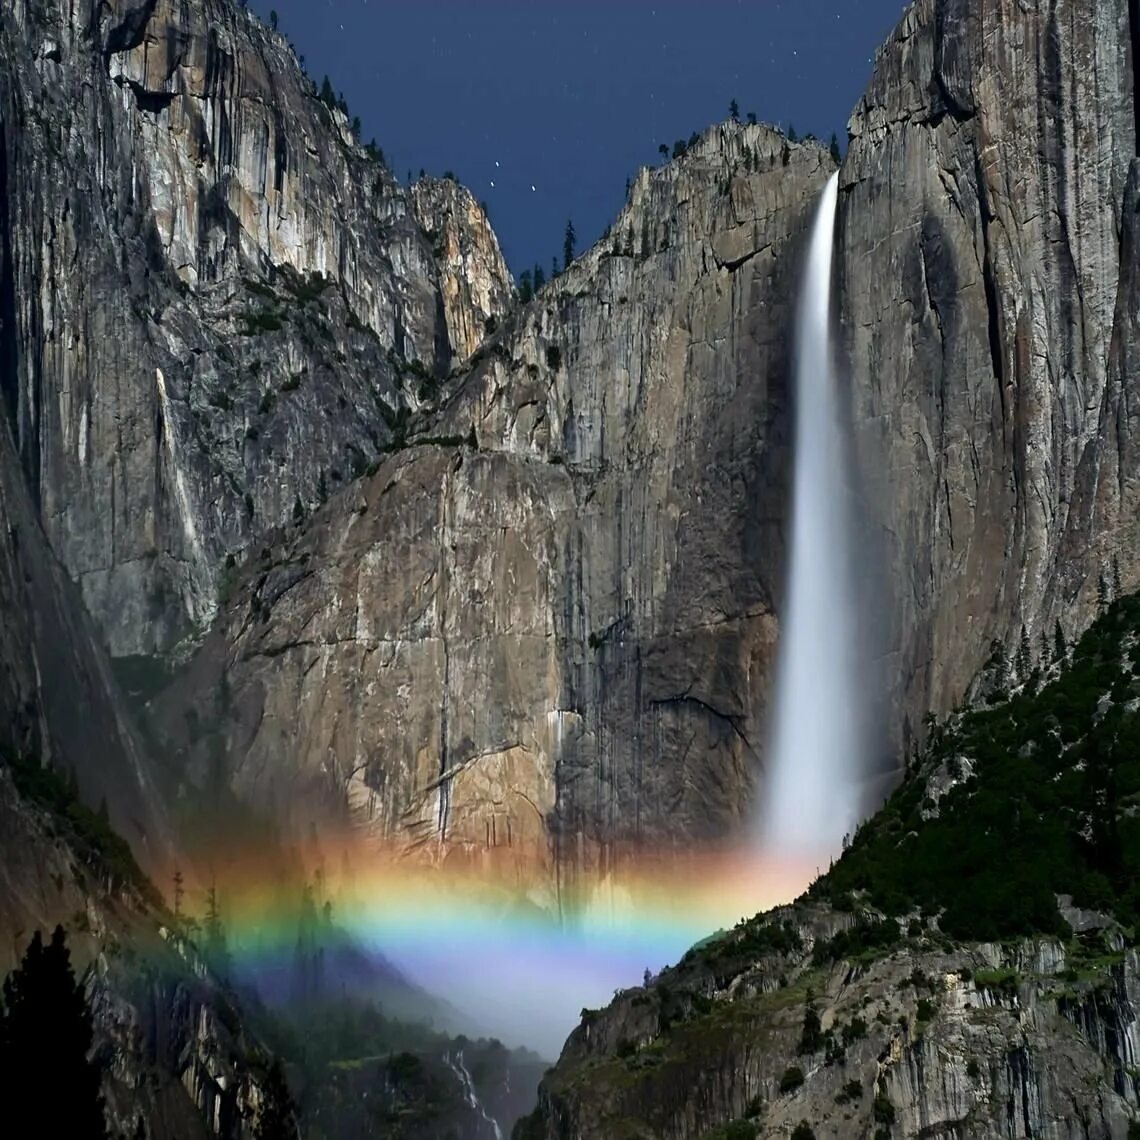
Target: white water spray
811 797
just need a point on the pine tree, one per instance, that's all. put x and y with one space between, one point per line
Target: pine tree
1024 656
539 278
45 1038
999 662
663 150
278 1117
792 136
273 18
1060 649
526 290
568 240
553 267
1044 651
328 97
629 241
179 893
1101 593
1115 578
734 111
833 147
215 949
752 118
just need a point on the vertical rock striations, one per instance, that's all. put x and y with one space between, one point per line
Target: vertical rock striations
212 299
546 636
987 304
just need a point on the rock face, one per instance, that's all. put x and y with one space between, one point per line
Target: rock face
58 701
474 279
213 301
548 633
989 307
979 1042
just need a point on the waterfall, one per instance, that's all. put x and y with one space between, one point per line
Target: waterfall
811 797
457 1066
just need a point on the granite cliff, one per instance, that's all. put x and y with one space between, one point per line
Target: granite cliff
501 583
989 306
968 967
545 636
541 634
215 304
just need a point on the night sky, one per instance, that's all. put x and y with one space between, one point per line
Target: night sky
571 97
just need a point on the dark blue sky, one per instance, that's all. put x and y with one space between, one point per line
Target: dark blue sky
572 97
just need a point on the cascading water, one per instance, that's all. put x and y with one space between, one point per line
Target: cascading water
812 798
457 1066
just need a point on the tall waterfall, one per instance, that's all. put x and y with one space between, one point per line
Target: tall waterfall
811 795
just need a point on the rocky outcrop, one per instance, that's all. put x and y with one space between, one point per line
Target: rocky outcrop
543 634
979 1041
214 304
989 307
474 279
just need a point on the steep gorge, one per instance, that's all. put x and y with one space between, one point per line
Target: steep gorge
501 585
541 638
582 598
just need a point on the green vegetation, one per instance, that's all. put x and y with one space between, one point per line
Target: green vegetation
1049 806
883 1111
792 1079
254 322
554 357
868 937
89 832
733 1130
803 1131
1000 981
811 1038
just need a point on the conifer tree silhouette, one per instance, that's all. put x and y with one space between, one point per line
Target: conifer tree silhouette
278 1119
45 1038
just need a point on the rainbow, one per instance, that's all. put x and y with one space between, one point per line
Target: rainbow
517 954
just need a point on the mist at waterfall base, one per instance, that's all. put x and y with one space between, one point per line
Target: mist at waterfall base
530 984
812 794
523 972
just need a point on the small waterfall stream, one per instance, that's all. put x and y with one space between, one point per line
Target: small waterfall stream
811 797
456 1065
